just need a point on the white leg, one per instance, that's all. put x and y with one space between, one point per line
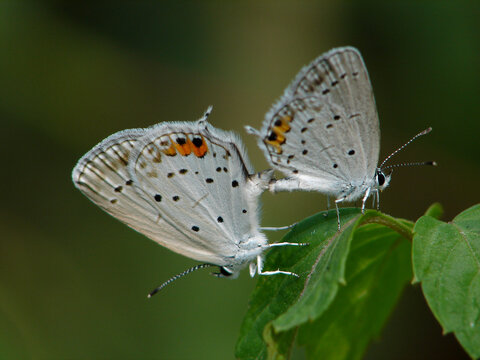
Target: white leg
367 194
261 272
338 213
378 200
253 268
278 228
284 244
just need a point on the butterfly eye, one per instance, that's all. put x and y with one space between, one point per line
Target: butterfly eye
380 178
225 272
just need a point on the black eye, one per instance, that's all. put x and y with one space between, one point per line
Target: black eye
225 272
380 179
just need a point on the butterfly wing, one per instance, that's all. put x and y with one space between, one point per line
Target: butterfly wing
117 175
102 176
324 131
197 179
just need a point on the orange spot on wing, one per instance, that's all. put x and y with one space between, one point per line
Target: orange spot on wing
201 150
276 137
170 151
183 149
276 145
285 126
280 137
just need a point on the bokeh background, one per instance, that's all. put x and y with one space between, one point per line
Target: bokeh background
73 280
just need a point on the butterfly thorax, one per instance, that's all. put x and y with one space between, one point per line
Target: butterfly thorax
358 189
248 250
354 191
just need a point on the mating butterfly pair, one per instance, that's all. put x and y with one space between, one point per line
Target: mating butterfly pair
191 188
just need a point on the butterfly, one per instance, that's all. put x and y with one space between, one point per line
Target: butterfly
188 186
324 133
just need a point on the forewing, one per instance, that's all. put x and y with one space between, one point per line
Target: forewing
196 178
325 126
102 176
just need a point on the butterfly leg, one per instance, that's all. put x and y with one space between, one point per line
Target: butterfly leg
338 212
278 228
378 199
367 194
285 244
259 268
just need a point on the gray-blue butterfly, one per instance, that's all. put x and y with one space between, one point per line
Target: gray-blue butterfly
187 186
324 134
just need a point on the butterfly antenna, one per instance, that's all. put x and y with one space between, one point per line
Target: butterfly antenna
424 132
178 276
432 163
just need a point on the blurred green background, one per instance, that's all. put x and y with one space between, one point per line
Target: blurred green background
73 281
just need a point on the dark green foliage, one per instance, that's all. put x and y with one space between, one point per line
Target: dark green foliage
446 260
350 281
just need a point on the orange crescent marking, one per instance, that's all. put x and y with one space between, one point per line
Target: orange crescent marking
276 145
280 138
285 126
183 149
171 150
201 150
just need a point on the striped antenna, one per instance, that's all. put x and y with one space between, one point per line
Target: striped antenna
424 132
432 163
176 277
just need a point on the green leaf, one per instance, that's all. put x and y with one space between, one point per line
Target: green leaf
378 269
435 210
274 295
446 260
279 345
322 277
279 304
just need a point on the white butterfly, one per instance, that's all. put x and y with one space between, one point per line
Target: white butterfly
186 185
324 131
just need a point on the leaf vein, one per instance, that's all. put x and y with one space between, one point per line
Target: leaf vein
319 257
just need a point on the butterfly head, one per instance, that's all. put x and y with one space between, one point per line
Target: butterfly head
226 272
381 179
